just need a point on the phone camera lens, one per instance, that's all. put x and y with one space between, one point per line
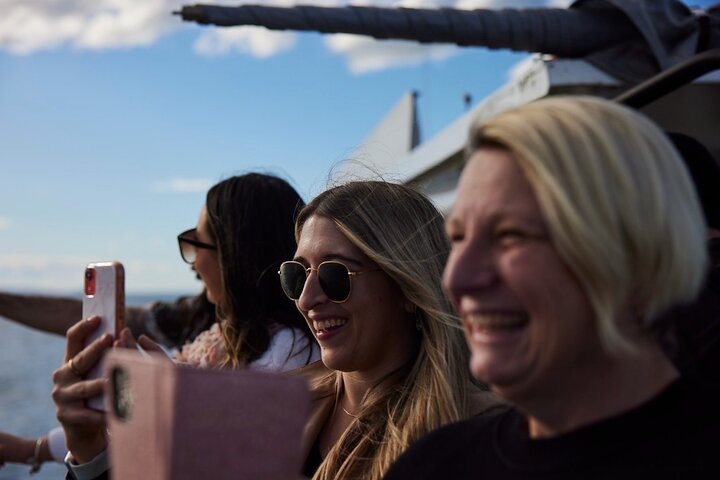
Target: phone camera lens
88 274
123 396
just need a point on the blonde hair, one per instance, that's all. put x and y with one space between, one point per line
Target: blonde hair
402 232
619 204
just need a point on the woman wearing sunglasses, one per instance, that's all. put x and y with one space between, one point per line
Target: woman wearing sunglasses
235 249
366 277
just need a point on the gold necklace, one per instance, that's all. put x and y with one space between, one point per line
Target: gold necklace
348 413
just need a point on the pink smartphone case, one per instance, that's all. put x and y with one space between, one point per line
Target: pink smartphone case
185 423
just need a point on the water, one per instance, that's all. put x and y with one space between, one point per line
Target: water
28 359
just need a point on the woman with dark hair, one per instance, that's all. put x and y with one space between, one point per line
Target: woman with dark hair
243 233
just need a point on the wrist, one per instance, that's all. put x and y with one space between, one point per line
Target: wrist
89 450
45 455
35 461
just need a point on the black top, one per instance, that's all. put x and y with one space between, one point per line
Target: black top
697 325
674 436
313 461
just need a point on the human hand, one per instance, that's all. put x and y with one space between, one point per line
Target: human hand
127 340
85 428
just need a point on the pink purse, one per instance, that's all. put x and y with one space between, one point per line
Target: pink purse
170 422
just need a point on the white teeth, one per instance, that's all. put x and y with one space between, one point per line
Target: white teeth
496 320
325 324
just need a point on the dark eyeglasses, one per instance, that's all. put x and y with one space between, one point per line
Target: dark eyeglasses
334 278
189 244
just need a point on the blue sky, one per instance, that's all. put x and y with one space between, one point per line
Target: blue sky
114 120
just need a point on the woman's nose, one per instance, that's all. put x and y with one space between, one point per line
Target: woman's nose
312 294
469 269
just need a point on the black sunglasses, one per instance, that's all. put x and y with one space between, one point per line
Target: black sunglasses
334 278
189 244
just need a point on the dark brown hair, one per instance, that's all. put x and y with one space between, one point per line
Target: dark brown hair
251 219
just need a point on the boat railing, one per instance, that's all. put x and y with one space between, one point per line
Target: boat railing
671 79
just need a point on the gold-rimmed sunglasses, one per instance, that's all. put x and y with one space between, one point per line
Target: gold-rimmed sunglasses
334 278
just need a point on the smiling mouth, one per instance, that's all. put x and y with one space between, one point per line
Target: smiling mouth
497 321
327 325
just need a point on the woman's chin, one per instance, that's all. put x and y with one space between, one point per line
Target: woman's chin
498 375
212 296
335 362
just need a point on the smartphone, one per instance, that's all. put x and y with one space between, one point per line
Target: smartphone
163 417
104 296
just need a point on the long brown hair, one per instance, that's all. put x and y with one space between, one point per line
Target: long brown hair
250 219
402 232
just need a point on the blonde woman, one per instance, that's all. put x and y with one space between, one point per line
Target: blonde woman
366 277
575 227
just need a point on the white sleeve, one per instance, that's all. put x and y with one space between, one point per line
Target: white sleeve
287 351
88 471
56 444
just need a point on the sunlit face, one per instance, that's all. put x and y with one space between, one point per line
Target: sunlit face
207 263
367 333
526 319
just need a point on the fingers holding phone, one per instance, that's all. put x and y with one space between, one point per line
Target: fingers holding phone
82 353
143 344
126 340
84 427
78 384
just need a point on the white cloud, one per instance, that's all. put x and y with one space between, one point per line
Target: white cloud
256 41
365 54
182 185
131 23
27 26
5 222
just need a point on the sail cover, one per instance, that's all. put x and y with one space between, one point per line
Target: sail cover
630 39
